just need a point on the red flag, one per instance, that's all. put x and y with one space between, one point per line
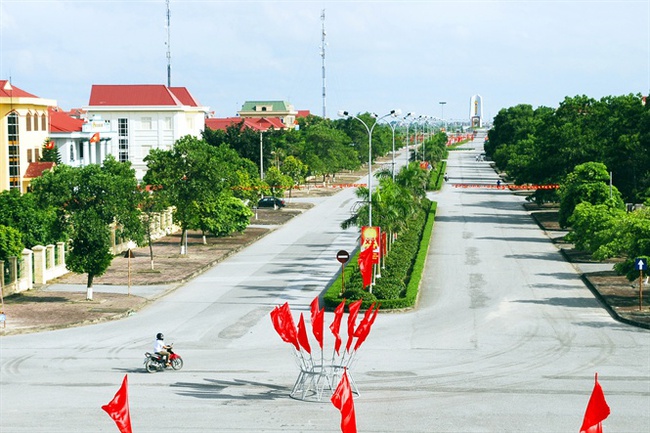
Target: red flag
284 325
597 411
317 321
336 325
353 312
302 334
363 329
50 145
94 138
365 265
384 244
118 408
342 400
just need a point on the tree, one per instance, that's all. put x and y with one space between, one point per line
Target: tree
50 153
90 199
587 183
195 177
35 222
10 243
277 182
295 169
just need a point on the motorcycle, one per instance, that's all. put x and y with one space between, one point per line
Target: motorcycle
153 362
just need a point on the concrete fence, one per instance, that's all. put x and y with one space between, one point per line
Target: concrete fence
41 264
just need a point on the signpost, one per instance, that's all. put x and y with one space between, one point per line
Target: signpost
641 264
342 256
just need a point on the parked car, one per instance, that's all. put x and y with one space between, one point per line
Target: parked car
270 202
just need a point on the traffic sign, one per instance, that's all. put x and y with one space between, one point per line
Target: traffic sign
343 256
640 264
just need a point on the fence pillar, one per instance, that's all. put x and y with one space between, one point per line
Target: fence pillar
60 247
27 274
39 265
49 256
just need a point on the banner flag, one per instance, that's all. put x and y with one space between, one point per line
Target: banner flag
363 329
336 325
118 408
302 334
365 265
597 411
317 321
284 324
353 312
343 401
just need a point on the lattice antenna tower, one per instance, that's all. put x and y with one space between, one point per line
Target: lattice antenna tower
169 53
322 54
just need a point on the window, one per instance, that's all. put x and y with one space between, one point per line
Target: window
71 152
13 151
146 123
43 122
167 125
29 155
123 139
28 121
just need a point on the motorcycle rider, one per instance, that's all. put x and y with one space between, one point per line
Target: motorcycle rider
160 348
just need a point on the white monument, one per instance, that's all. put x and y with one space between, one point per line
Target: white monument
476 111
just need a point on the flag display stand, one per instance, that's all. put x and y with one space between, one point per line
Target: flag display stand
320 380
317 377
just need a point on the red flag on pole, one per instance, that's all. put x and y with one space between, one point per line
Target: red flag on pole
284 324
342 400
353 312
94 138
336 325
302 334
118 408
597 411
363 329
365 265
317 321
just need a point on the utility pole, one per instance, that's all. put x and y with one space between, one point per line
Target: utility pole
322 54
169 53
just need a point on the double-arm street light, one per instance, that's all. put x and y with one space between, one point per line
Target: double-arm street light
410 118
369 129
393 125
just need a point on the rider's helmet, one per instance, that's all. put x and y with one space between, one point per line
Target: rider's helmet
160 336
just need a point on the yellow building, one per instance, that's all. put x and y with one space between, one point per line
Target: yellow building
24 126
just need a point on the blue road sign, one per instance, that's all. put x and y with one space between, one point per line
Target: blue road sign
641 264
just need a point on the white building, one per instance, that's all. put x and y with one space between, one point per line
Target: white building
127 121
476 111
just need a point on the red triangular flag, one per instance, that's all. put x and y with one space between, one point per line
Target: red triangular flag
284 325
336 325
353 309
302 334
94 138
363 329
342 400
365 265
317 321
118 408
597 410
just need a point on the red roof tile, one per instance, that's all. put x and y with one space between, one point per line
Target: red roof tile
255 123
8 90
60 121
36 169
184 96
133 94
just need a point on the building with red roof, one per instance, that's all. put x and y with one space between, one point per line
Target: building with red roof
24 125
132 119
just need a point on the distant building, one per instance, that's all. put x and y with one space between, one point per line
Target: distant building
476 111
128 121
280 109
259 124
24 124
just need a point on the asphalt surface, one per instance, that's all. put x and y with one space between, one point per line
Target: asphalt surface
505 338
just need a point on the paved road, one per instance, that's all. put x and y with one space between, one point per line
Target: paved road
506 338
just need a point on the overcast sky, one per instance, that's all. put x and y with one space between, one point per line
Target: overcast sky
379 55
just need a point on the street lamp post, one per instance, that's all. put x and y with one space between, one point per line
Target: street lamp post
343 113
393 125
411 114
442 112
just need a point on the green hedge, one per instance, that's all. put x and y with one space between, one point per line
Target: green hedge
400 280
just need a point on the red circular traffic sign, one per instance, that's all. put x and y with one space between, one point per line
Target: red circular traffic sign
342 256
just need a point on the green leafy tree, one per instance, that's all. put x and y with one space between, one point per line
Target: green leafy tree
295 169
11 244
91 199
587 183
277 181
50 154
194 177
35 222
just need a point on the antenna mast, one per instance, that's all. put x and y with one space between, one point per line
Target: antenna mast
322 54
169 54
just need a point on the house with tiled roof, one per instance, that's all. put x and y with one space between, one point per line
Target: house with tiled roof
71 142
260 124
133 119
24 124
268 109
